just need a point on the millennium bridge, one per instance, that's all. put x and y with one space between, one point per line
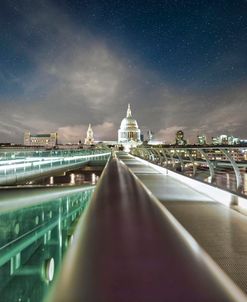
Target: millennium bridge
161 224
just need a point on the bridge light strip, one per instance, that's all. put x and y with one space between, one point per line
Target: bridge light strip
40 161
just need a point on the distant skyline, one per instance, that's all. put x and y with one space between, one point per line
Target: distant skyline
180 64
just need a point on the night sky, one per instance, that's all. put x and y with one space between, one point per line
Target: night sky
180 64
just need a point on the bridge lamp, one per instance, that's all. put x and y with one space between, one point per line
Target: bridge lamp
49 269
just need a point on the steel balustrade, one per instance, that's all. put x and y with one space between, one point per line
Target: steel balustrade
210 165
9 154
20 169
236 170
193 162
36 229
182 157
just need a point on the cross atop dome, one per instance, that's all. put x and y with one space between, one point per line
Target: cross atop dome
128 111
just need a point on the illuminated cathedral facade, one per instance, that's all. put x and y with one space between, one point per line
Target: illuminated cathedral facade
129 135
89 140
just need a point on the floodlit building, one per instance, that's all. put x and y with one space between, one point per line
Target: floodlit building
89 140
216 141
47 140
225 140
129 135
201 139
233 140
180 140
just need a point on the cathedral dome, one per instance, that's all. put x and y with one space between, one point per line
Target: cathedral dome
129 123
129 135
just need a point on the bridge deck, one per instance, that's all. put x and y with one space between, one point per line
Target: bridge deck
221 231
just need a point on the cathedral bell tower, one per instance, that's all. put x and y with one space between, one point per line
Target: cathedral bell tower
89 140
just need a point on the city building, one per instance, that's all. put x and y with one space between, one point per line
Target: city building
233 140
201 139
180 140
47 140
216 141
243 141
217 155
223 139
89 140
129 135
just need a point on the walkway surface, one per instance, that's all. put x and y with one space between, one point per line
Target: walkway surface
221 231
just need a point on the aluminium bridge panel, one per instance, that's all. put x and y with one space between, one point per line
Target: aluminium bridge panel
221 231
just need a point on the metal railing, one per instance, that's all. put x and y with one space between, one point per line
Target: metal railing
221 166
9 154
36 227
24 165
128 247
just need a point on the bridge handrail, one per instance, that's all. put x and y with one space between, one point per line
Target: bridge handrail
14 172
182 155
22 154
128 247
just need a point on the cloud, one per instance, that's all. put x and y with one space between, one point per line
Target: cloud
104 131
78 78
71 134
168 134
76 133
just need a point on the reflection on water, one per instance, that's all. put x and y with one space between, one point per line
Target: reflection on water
33 241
